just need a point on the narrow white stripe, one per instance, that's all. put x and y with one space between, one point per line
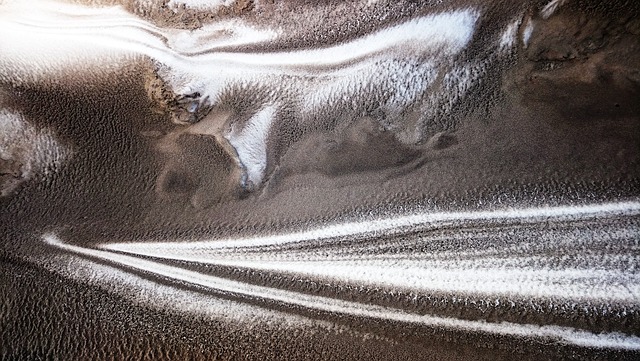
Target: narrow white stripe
390 225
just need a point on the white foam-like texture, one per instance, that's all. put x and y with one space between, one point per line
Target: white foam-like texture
419 61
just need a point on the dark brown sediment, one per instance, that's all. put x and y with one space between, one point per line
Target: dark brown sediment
557 123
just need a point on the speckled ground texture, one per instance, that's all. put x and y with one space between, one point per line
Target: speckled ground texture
320 180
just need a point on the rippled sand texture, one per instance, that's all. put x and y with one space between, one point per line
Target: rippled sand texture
374 180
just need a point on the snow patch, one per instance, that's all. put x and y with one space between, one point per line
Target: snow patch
200 4
218 35
33 152
527 32
551 8
509 36
250 143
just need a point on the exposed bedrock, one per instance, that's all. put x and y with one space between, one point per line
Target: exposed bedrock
585 64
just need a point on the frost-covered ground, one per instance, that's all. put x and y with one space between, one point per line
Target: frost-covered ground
361 180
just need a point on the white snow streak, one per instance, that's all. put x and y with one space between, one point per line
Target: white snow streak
390 225
250 143
515 271
325 304
551 8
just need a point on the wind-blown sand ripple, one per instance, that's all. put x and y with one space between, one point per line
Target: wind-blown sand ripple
332 180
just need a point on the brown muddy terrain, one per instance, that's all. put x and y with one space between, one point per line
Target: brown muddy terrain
364 180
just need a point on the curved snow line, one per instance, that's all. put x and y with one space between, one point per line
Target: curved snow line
446 32
386 226
612 340
502 261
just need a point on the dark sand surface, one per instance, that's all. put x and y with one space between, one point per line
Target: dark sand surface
557 124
